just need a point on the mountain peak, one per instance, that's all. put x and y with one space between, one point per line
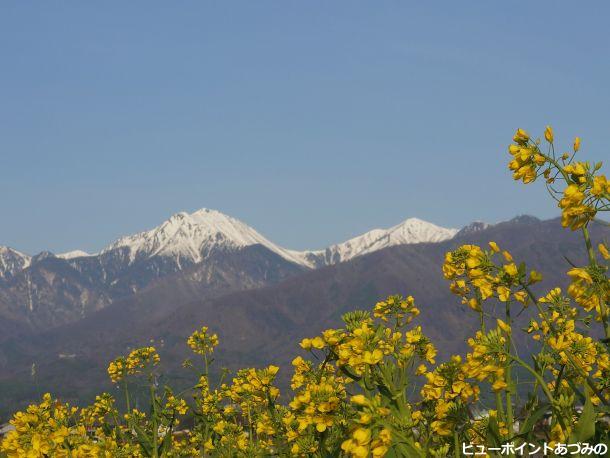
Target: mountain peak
415 230
524 219
473 227
193 236
410 231
73 254
12 261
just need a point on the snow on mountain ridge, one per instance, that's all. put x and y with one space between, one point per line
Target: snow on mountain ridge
73 254
12 261
410 231
193 235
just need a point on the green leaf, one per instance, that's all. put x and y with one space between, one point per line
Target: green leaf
404 446
585 427
528 425
493 432
407 449
143 440
581 397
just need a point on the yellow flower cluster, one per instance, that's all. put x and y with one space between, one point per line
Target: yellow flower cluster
318 404
445 395
526 158
476 276
202 342
133 364
51 429
585 193
575 212
252 396
369 436
488 360
365 344
416 343
402 310
253 387
559 331
448 382
96 413
208 400
362 444
231 436
590 288
177 405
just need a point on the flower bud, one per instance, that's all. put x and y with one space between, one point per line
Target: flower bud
548 134
576 144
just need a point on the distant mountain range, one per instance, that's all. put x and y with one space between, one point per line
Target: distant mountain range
190 238
48 290
70 314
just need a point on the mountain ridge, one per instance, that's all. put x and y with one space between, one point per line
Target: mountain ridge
211 251
410 231
12 261
190 236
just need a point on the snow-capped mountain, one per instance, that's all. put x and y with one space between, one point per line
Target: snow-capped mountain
187 239
12 261
207 251
410 231
192 237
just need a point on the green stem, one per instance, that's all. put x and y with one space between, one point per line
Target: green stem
155 427
127 402
589 245
500 406
558 380
509 400
593 263
481 316
538 377
545 388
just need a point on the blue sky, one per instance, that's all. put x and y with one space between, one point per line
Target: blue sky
311 121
